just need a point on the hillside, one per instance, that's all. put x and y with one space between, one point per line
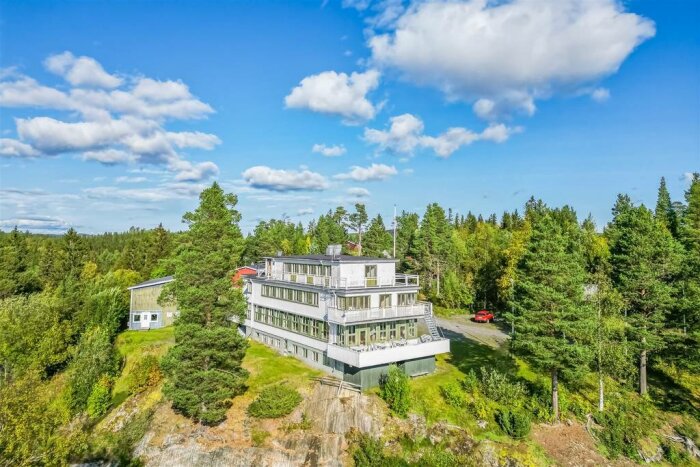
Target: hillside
327 427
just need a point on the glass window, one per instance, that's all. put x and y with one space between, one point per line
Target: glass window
137 318
385 301
407 299
371 275
154 317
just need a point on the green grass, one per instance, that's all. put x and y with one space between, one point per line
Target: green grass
132 346
267 367
447 312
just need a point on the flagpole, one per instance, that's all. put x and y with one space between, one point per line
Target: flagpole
394 231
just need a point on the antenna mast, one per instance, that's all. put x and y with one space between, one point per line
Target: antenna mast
394 223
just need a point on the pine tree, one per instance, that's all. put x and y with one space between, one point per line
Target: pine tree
644 259
553 321
204 367
665 213
356 221
377 240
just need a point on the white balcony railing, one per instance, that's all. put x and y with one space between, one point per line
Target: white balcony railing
398 280
338 316
413 348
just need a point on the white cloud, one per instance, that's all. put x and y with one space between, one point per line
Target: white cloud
329 151
125 179
165 192
35 223
81 71
268 178
600 94
13 148
358 192
372 173
405 135
337 93
505 55
119 120
305 211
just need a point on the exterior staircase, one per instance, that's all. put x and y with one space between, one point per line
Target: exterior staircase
430 321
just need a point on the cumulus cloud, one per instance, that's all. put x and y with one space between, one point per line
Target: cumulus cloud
600 94
305 211
267 178
160 193
405 135
81 71
120 121
374 172
329 151
505 55
338 94
35 223
126 179
358 192
12 148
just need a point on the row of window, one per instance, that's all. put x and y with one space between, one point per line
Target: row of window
362 302
370 333
291 295
137 317
295 349
310 269
299 324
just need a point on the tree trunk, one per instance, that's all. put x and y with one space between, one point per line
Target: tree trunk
555 396
601 393
643 372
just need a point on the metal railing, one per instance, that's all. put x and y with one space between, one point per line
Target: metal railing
398 280
339 316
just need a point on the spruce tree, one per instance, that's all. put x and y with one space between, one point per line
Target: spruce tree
644 260
204 366
665 212
377 239
552 320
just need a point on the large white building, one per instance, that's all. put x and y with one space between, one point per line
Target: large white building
351 316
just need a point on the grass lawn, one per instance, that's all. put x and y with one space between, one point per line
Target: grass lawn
266 367
134 345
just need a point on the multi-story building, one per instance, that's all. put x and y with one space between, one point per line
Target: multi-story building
351 316
144 310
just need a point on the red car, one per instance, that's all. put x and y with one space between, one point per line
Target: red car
483 316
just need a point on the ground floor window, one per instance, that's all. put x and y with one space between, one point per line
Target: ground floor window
137 318
154 317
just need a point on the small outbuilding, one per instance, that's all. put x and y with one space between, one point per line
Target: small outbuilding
144 311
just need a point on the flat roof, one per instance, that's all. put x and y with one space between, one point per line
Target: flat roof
150 282
337 258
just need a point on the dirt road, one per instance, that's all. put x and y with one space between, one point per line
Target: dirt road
486 333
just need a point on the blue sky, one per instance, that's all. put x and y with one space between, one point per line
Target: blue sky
116 114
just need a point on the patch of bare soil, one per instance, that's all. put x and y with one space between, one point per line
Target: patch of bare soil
570 445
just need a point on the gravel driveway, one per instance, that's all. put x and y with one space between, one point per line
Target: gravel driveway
486 333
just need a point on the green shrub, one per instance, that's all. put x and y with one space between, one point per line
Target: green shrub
396 391
623 425
258 437
453 395
274 402
145 374
438 457
369 452
497 386
100 397
675 454
471 383
515 424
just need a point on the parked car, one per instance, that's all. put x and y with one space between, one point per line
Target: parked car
483 316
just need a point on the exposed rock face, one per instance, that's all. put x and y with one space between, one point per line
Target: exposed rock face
318 439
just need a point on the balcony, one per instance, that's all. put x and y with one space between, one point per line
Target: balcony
362 357
338 316
398 280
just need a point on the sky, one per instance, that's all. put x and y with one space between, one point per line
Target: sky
117 114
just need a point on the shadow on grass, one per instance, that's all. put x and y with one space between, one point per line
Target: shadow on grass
670 396
467 354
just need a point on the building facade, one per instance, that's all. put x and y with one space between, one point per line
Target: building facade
351 316
144 310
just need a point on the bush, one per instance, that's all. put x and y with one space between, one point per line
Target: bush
471 382
100 398
676 455
514 424
258 437
396 391
369 452
145 374
497 386
625 425
274 402
453 395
